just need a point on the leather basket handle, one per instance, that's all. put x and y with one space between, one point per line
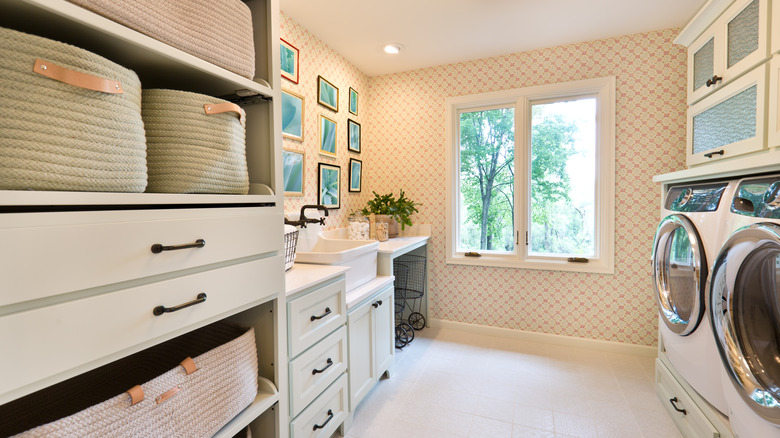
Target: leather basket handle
226 107
77 79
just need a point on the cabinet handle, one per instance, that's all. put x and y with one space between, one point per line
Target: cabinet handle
322 426
711 154
159 310
715 79
158 247
327 312
375 304
673 401
380 302
316 371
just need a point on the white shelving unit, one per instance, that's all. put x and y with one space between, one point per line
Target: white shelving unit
254 295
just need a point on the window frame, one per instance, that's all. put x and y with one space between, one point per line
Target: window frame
604 222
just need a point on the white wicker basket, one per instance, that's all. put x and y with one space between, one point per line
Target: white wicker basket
178 402
69 119
195 143
217 31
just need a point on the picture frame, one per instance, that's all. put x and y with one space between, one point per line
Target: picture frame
327 94
328 185
353 134
289 55
293 113
294 167
355 175
328 135
353 101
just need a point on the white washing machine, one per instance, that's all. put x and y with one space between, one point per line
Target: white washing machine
744 298
686 242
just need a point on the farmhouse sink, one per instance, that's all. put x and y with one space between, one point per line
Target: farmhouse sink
359 255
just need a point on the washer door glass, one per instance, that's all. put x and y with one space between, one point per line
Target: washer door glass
679 274
745 312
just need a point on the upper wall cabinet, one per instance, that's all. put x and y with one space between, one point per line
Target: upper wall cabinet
734 43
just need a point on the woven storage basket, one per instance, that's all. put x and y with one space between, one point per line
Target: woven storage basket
190 150
197 404
55 134
217 31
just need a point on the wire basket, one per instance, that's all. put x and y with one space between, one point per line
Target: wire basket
290 242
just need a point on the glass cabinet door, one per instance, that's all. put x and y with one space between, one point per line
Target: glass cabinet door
730 122
734 44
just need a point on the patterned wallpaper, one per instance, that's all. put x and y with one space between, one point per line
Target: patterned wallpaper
317 59
403 141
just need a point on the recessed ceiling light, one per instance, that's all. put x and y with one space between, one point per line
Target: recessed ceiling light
393 49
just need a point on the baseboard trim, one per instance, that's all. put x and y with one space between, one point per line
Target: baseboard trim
567 341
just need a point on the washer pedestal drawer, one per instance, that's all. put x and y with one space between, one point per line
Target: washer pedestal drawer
685 413
46 345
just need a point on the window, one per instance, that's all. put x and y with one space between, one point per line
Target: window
531 177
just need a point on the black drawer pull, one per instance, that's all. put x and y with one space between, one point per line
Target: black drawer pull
715 79
158 247
375 304
330 417
327 312
316 371
159 310
711 154
673 401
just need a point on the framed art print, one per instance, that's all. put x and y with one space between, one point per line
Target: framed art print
293 164
327 136
328 190
353 132
289 61
355 174
353 101
327 94
292 115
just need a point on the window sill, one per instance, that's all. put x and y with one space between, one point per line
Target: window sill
498 261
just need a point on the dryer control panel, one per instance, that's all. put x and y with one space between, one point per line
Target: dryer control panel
758 197
695 198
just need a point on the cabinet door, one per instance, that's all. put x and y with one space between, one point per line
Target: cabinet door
773 131
384 332
730 122
361 353
732 45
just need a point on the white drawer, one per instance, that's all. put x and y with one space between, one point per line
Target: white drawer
49 344
316 369
692 422
324 415
45 254
312 316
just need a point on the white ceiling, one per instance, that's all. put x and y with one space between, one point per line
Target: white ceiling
437 32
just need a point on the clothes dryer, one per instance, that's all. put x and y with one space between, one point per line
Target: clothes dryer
744 296
686 241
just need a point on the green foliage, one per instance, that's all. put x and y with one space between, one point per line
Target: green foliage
329 192
487 177
400 209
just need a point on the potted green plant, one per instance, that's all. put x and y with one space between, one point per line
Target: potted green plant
398 210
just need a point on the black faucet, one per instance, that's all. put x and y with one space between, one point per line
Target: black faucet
303 220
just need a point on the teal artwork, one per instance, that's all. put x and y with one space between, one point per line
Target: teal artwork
327 136
288 61
327 94
353 130
353 101
292 115
292 164
328 188
355 169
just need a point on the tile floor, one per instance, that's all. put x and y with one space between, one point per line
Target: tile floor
450 383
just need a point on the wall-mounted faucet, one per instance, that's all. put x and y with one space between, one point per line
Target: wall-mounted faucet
303 220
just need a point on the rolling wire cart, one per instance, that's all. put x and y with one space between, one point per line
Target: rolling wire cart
409 272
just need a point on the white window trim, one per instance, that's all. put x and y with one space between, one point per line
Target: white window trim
604 88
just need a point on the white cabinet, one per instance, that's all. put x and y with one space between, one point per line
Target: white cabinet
730 122
773 123
371 346
317 342
737 41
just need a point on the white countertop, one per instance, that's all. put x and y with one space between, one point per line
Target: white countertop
302 276
355 296
402 244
